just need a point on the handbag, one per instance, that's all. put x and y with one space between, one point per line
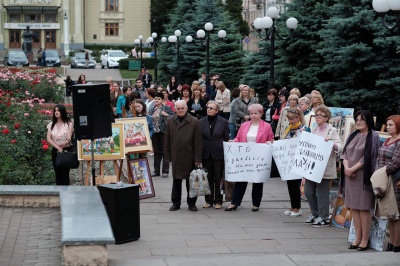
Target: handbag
198 183
67 160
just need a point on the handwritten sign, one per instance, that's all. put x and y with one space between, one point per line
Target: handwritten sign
283 152
312 155
247 162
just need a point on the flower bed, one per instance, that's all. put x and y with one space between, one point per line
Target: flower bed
25 155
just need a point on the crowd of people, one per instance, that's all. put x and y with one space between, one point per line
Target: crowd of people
188 124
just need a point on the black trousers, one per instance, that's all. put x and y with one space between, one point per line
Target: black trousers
176 194
215 170
294 193
158 146
240 189
62 175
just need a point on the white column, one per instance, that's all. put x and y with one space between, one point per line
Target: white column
78 23
66 20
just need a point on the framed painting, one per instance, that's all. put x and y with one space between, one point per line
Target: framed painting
312 122
105 149
136 136
140 173
349 127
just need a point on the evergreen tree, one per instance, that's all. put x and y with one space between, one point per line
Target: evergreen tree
159 14
360 57
235 9
298 64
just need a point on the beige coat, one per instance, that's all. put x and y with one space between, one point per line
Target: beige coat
224 100
331 133
183 145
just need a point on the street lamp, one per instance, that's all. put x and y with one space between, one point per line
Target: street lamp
383 7
268 22
174 39
139 41
204 36
153 41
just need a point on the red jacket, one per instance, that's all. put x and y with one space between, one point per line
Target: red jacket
264 133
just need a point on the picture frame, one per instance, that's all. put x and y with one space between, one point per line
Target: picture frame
140 172
136 135
349 127
312 123
105 149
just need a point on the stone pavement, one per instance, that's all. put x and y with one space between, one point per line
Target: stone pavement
97 75
207 237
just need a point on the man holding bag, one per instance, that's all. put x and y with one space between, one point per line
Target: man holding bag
183 148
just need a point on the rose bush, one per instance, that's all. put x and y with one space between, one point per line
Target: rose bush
25 154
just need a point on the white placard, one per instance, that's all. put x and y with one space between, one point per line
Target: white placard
312 155
247 162
283 152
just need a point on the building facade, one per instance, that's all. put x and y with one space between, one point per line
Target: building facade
72 24
253 9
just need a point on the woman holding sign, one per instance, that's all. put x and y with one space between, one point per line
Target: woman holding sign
296 126
318 193
359 160
259 131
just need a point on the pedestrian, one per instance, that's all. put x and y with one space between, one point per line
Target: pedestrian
68 86
215 131
39 57
87 59
59 134
44 57
183 148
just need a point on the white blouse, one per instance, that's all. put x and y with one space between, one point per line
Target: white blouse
252 133
59 134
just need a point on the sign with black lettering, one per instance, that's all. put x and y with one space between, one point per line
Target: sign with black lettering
283 152
247 162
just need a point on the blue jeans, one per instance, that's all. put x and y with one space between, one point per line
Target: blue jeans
232 130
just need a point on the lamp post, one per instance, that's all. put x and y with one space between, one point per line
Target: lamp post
268 22
153 41
204 36
383 7
139 41
174 39
66 33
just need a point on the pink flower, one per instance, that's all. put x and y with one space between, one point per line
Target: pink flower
27 92
45 147
31 105
13 141
26 114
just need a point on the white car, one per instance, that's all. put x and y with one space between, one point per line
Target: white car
110 58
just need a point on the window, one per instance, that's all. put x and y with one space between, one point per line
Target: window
14 18
32 18
111 5
112 29
50 18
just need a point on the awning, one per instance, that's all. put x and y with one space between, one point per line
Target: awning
13 9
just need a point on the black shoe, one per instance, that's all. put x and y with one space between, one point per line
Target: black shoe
165 175
254 209
174 208
389 247
230 209
352 246
396 249
362 248
192 208
155 174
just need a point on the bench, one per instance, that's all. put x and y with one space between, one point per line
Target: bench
85 227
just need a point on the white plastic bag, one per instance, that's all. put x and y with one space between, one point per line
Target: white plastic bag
198 183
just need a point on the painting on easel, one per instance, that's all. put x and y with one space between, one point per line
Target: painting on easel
140 172
105 149
136 136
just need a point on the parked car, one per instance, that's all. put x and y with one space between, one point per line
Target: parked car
53 58
78 61
110 58
15 58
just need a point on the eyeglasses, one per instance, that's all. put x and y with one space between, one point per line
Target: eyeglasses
319 115
210 108
295 112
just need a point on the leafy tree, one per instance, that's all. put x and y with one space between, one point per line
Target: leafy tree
298 64
360 57
159 14
235 9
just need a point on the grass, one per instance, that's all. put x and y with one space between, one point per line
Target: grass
132 75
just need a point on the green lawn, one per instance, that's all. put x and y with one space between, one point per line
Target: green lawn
133 74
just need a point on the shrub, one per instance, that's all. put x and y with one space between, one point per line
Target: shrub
148 62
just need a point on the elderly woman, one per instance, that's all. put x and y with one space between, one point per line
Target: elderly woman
240 107
259 131
223 98
316 99
318 193
359 160
304 106
214 132
296 126
389 156
283 121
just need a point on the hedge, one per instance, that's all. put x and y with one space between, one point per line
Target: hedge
148 62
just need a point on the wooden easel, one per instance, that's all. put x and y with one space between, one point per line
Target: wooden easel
117 169
133 156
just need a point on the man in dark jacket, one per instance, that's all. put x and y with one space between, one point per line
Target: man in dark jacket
183 148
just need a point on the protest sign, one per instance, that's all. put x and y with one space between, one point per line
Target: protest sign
283 152
312 155
247 162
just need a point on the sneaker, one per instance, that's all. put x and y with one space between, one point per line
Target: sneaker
319 222
295 214
164 175
287 213
310 219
